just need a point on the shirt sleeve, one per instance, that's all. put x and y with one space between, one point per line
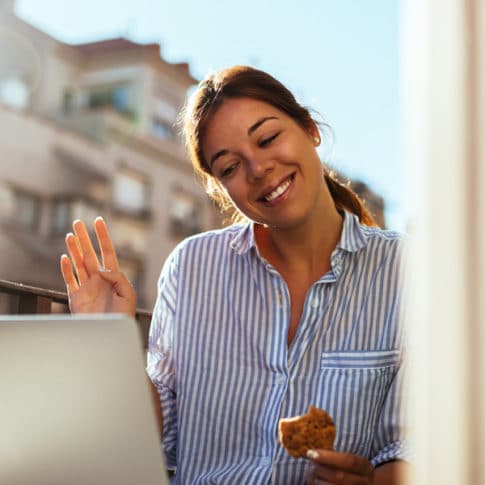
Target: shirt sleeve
160 363
390 439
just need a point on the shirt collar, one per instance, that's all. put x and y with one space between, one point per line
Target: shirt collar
244 239
353 237
351 240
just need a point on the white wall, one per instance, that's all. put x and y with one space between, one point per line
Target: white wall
443 68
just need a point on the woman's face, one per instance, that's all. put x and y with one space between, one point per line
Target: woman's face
266 162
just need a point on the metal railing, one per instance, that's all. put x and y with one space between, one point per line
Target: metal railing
27 300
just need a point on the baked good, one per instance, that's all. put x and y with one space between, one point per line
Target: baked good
311 431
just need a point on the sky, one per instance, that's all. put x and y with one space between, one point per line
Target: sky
339 57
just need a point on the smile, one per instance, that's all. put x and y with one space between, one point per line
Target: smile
280 190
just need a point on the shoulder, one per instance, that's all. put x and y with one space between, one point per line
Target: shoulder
198 253
383 248
384 238
208 242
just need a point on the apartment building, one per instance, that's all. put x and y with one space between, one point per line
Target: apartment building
88 130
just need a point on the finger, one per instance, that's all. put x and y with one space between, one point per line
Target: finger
119 281
77 258
108 253
349 462
122 287
91 262
68 274
323 474
318 481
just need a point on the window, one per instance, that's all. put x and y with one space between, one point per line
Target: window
129 236
185 214
26 209
164 115
67 210
131 192
118 97
61 217
19 207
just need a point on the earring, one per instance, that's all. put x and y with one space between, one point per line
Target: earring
316 140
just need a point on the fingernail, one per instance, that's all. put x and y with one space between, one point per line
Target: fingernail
99 218
102 269
312 454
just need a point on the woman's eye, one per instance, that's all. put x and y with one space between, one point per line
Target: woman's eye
268 140
226 171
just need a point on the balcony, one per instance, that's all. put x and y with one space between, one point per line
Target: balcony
19 299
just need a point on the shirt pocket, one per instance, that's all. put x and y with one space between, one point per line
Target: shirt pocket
359 381
360 359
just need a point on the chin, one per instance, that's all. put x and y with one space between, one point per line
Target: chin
287 220
285 223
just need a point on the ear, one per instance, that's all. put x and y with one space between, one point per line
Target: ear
315 134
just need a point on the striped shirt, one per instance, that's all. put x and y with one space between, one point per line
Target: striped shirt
219 358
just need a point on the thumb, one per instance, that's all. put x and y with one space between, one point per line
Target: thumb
120 283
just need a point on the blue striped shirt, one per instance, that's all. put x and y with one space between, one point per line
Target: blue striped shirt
219 358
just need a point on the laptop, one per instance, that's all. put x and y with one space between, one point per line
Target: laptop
75 403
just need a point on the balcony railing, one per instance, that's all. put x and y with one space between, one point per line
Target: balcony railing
23 299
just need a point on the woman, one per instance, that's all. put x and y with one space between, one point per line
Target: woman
296 303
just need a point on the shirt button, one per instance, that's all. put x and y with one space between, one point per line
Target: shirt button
315 303
265 461
280 380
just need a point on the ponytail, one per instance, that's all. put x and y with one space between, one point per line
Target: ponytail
345 198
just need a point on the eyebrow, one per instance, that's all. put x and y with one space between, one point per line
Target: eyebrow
258 123
251 130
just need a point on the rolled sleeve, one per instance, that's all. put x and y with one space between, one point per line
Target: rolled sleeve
390 439
399 450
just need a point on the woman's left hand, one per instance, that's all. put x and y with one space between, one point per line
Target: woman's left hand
338 468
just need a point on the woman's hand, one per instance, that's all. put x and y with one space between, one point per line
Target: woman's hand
92 288
337 468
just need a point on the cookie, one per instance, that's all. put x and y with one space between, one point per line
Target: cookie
314 430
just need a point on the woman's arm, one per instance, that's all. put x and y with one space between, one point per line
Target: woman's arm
391 473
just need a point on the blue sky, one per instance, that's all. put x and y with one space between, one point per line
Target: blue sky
339 57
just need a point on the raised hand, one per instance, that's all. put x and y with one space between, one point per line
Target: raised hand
91 287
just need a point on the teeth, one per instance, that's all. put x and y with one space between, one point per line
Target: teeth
278 191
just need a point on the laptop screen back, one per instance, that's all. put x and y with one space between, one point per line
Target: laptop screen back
75 403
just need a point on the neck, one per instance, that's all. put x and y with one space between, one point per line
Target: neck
307 247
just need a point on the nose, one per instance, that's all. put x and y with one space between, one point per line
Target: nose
259 167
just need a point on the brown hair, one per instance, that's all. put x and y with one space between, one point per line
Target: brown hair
247 82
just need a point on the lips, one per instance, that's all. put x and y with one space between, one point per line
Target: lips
279 190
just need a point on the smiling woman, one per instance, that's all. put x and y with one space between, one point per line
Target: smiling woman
248 83
297 304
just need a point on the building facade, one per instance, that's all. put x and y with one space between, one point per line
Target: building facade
88 130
